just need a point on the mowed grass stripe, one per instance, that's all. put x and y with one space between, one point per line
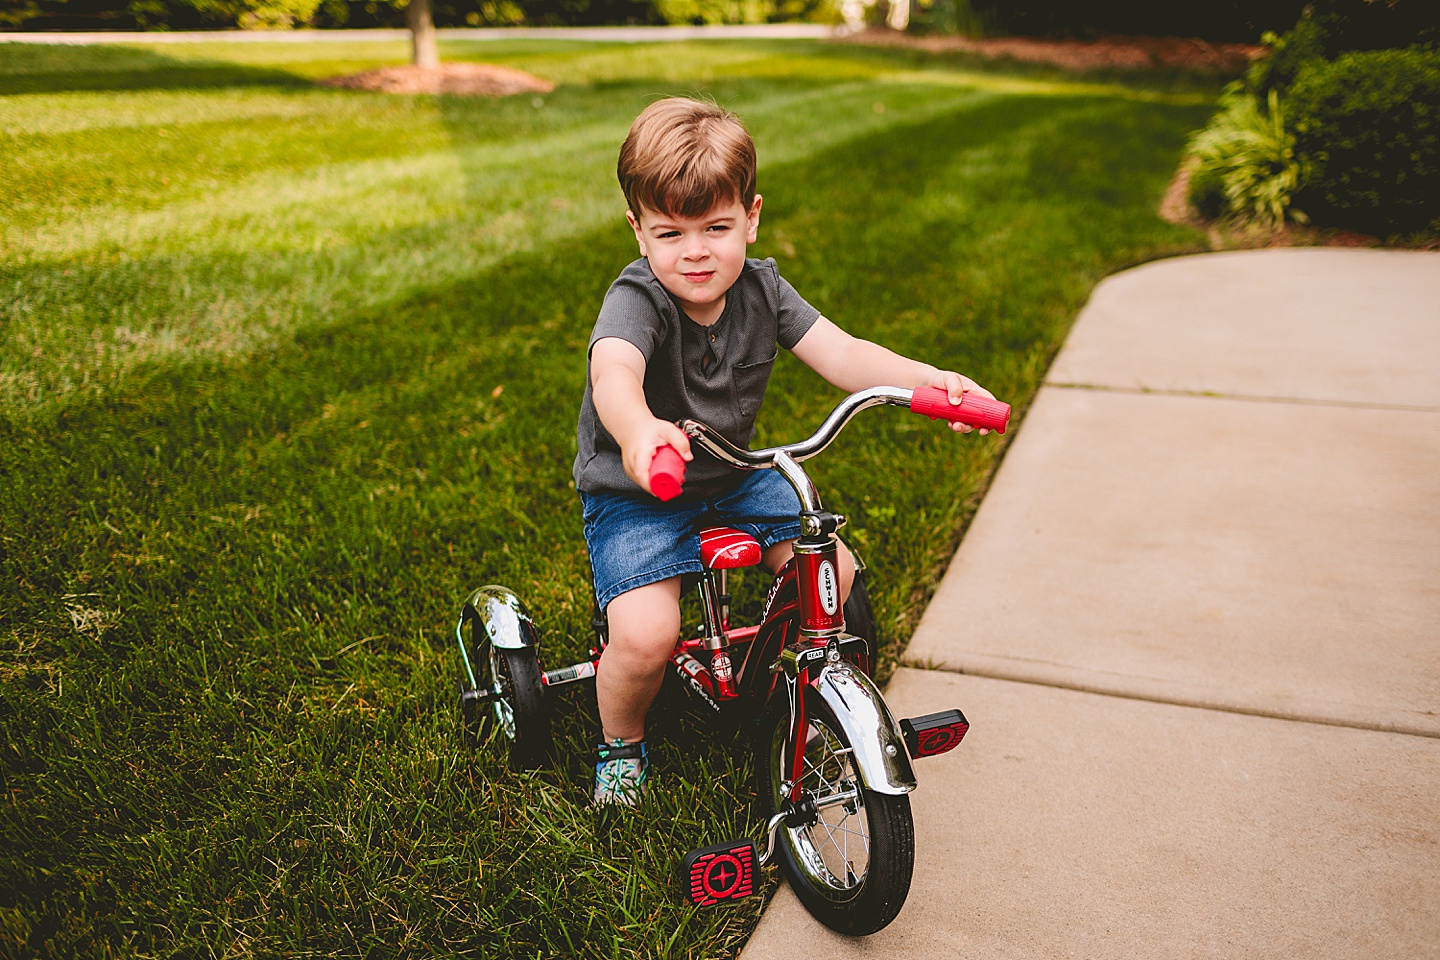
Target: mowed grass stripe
227 272
63 223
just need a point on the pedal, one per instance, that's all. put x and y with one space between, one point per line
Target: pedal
720 873
934 733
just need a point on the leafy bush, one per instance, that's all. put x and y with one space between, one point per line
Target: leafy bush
1328 28
1368 125
737 11
951 17
258 14
1246 162
1288 53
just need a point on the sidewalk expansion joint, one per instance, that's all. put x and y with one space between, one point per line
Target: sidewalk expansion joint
1193 703
1244 397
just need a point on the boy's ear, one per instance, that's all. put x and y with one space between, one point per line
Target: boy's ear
634 222
752 220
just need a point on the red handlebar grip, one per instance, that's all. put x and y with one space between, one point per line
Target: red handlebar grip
978 411
667 473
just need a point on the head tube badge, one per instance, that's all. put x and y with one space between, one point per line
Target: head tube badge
828 586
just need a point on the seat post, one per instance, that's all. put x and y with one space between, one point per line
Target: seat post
722 583
714 601
714 604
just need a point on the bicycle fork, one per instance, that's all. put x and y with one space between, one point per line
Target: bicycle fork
880 747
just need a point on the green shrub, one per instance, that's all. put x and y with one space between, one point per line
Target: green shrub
950 17
1288 53
731 11
1246 163
1368 127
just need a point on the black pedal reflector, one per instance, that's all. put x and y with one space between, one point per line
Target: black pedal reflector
716 874
934 733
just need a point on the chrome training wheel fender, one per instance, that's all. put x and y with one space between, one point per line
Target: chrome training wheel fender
498 622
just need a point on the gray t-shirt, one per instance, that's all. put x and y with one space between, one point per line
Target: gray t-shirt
715 374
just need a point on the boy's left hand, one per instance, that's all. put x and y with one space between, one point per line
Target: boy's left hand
956 386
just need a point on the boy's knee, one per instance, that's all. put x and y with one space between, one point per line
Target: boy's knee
646 621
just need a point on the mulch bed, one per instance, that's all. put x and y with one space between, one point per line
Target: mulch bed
1113 52
456 79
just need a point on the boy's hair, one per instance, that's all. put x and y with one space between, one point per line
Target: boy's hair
684 156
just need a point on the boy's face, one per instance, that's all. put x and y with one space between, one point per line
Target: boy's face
698 258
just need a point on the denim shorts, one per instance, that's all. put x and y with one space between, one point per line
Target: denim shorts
635 541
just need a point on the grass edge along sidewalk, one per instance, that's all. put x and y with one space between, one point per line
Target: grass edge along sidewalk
270 413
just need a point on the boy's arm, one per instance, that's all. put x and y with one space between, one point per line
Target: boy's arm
617 378
853 364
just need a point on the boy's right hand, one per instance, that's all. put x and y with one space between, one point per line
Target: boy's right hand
638 449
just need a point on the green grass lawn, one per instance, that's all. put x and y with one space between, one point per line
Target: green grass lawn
285 371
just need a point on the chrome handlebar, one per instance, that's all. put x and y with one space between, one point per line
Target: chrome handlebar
787 458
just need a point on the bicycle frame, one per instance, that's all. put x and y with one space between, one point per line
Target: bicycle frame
800 641
831 749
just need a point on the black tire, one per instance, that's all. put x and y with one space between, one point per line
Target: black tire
519 712
822 861
860 618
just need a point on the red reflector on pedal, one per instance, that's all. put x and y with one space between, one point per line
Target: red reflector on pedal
934 733
716 874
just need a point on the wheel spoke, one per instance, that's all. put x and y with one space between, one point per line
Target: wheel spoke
828 770
850 866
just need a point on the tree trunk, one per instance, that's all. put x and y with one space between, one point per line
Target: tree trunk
899 17
420 20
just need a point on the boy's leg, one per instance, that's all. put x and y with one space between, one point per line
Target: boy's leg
639 548
644 626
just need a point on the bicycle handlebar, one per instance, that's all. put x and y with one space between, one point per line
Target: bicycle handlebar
667 469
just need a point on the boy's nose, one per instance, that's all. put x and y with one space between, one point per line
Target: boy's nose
694 248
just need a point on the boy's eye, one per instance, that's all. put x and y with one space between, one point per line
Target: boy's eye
669 234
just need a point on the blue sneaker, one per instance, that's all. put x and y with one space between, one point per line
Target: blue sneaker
620 770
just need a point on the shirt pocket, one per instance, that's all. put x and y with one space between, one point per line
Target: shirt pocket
751 379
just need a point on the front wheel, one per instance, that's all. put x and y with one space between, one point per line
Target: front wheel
851 868
519 706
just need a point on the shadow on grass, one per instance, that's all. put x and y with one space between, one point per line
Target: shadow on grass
63 68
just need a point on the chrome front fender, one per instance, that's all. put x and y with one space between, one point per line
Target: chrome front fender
874 734
506 623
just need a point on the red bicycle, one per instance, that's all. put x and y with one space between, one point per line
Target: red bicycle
833 764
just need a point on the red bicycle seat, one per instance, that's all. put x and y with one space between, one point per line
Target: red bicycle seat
724 548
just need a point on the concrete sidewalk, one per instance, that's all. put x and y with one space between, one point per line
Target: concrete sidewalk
1196 628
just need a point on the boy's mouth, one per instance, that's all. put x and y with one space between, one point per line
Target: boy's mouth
698 276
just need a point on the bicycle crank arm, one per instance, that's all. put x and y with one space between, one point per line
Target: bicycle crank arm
726 871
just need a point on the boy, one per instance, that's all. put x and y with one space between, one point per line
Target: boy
690 330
